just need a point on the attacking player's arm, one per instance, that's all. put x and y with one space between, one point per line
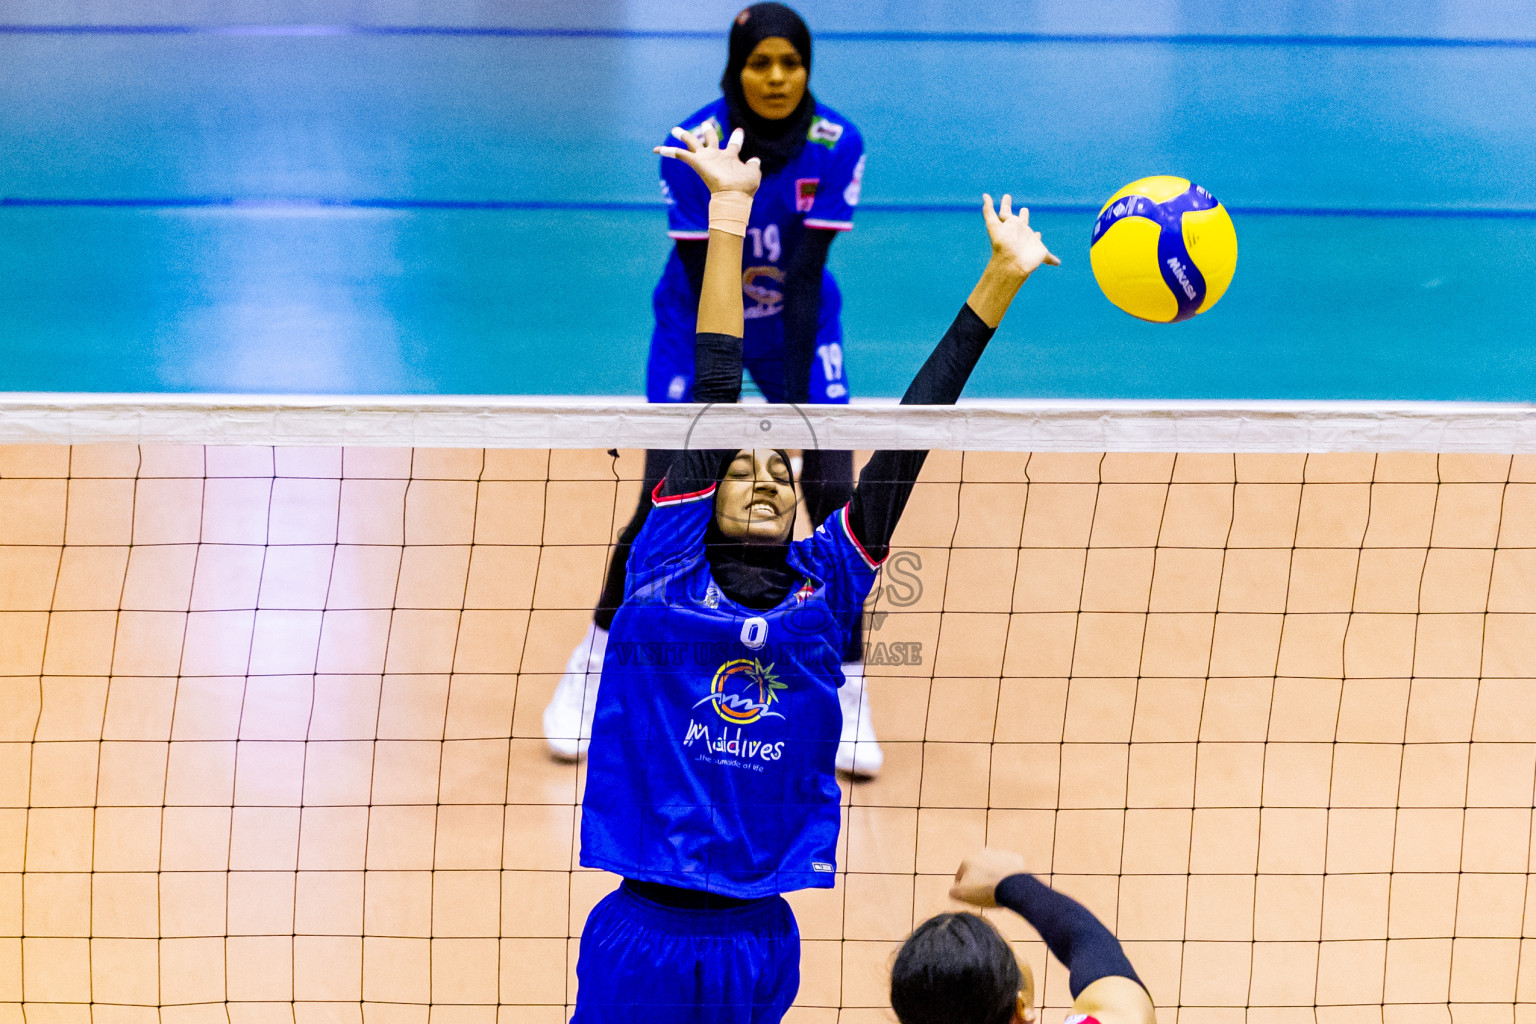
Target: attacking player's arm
1104 985
717 344
887 480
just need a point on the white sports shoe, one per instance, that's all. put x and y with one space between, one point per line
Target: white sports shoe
568 716
858 752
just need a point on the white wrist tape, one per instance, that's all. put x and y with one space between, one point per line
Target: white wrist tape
729 211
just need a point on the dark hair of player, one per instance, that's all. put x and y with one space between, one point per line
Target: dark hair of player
955 969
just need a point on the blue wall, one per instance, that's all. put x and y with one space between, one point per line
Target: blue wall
342 208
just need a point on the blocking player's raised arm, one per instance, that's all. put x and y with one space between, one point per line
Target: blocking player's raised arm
1104 985
717 344
887 480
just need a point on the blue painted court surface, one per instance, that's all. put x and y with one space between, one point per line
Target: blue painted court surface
366 198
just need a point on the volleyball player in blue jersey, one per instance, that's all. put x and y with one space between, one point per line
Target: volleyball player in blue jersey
710 785
812 161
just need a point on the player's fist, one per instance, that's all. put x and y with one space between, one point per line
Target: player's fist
976 880
1014 244
721 167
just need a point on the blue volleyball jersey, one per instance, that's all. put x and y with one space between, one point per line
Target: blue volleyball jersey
817 189
716 727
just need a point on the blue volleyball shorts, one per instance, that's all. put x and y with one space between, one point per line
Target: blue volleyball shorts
645 963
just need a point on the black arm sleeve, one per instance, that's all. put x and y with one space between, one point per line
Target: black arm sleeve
716 378
802 311
887 480
1074 936
692 253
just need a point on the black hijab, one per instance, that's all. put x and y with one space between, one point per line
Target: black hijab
774 142
756 575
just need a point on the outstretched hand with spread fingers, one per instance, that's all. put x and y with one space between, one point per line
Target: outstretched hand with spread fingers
1014 243
721 168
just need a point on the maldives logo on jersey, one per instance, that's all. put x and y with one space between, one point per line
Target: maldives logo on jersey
744 691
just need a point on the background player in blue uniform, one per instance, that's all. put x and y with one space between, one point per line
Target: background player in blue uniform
812 160
957 969
711 785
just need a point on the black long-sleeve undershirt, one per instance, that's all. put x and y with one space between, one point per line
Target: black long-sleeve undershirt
1087 949
716 380
887 480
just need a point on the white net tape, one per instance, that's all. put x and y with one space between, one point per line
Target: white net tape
1047 425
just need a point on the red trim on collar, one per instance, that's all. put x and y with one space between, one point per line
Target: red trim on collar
678 499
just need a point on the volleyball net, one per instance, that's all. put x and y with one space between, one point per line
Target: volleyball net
270 744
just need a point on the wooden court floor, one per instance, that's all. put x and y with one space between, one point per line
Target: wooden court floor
270 746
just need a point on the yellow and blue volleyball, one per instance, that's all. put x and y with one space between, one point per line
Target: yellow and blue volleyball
1163 249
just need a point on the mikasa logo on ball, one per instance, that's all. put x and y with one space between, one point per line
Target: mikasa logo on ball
1178 272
